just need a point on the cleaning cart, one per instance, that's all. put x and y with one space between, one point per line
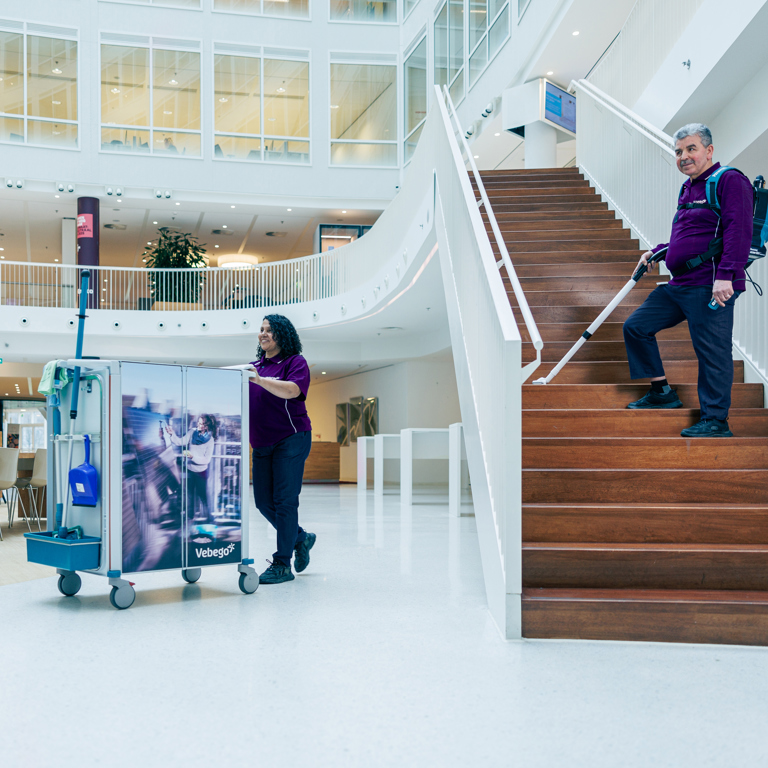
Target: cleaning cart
148 471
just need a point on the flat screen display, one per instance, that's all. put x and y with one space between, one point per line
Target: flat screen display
560 107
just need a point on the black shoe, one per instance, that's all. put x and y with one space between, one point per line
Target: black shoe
657 400
708 428
277 573
301 560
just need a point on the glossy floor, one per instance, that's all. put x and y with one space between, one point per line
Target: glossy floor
381 654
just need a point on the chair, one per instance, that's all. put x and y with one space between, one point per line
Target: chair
9 463
36 484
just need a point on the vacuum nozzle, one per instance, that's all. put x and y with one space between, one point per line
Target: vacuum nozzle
542 380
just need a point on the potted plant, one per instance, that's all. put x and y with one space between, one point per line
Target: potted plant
175 250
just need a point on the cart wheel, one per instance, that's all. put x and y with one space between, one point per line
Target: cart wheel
122 597
69 584
191 575
248 583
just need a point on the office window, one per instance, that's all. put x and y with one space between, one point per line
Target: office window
48 114
150 100
521 6
255 123
383 12
409 6
488 29
297 9
449 48
363 115
170 3
415 92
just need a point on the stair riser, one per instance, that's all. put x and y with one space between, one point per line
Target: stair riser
643 569
646 525
572 245
562 260
589 272
596 300
676 623
506 186
679 372
618 395
542 217
644 486
583 230
550 205
608 331
616 423
606 351
524 191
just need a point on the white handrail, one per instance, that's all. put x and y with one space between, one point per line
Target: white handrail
522 302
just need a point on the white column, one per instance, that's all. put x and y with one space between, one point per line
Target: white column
362 463
406 466
540 145
455 438
378 465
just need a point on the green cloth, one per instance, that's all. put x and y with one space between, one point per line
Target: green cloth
49 374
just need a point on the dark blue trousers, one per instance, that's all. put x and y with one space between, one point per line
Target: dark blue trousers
711 334
277 474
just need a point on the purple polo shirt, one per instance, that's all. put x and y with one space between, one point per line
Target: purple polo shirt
272 418
693 229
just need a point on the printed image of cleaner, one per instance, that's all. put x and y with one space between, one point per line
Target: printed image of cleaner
281 438
198 448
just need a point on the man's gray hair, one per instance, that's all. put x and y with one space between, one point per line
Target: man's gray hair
695 129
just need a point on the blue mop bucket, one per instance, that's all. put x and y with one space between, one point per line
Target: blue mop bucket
84 481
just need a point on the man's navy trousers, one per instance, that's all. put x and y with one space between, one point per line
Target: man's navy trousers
711 334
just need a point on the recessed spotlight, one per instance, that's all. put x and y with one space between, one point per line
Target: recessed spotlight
115 90
477 157
334 106
215 246
167 112
223 100
281 90
119 200
231 206
57 196
56 103
154 222
322 372
56 71
178 203
2 249
289 209
550 73
223 226
176 82
497 134
149 242
55 259
575 33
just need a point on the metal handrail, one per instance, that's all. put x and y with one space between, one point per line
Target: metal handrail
522 302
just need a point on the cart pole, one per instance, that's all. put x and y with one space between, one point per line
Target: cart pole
85 276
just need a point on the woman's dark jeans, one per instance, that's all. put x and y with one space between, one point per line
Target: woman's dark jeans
197 487
277 474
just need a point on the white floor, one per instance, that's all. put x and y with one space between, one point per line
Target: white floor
381 654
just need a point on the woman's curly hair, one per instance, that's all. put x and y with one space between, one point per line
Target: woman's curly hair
284 335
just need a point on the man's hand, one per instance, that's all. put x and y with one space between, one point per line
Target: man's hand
722 291
645 263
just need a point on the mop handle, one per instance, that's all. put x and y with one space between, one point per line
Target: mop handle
87 449
658 256
86 274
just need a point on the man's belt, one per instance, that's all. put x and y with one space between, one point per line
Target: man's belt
715 249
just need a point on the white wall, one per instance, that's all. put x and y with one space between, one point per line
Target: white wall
412 394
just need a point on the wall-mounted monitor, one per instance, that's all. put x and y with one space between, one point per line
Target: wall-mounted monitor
560 107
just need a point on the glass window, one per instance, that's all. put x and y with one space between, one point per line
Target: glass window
172 3
363 114
440 39
362 10
24 424
158 114
251 125
415 90
449 48
521 6
298 9
50 73
409 6
486 15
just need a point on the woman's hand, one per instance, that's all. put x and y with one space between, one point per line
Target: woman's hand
168 429
254 375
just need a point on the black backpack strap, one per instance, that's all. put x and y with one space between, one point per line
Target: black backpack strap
715 249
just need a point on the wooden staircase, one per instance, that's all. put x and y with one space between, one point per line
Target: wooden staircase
630 532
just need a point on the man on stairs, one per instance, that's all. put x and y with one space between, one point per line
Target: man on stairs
706 255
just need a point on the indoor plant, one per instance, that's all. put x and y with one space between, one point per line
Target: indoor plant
175 250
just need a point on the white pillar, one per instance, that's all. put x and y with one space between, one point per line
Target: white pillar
540 145
378 465
362 463
406 466
455 438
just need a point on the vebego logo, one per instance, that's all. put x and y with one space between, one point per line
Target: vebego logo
208 552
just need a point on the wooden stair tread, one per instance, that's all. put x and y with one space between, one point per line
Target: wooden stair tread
650 595
565 546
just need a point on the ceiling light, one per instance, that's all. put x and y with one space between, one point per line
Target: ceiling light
289 209
154 222
119 200
55 259
57 103
57 195
334 106
575 33
322 373
56 71
178 203
215 246
149 242
231 206
550 73
281 90
497 134
115 90
477 157
223 226
56 133
2 249
176 82
237 260
223 100
167 112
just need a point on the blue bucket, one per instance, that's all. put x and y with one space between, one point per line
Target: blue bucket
68 554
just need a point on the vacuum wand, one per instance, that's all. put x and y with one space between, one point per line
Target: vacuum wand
617 299
85 276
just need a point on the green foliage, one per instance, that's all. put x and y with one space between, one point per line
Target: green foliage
175 250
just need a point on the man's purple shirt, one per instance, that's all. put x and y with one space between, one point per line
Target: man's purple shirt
693 229
273 418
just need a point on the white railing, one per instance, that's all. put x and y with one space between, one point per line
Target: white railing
487 357
632 164
311 278
645 40
629 161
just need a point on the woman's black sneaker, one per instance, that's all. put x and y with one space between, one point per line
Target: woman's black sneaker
301 550
708 428
277 573
657 400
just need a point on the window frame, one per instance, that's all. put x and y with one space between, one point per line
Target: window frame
24 31
462 70
302 56
394 23
156 4
486 39
364 59
260 14
422 36
151 127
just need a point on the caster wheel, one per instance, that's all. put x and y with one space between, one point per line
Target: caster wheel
122 597
191 575
69 584
248 582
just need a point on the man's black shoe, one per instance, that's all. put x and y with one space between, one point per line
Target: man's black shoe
708 428
277 573
301 560
657 400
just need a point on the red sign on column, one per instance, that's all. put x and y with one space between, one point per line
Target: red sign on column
85 225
